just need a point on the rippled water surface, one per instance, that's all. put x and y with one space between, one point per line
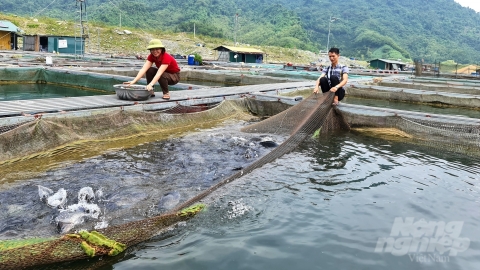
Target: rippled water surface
324 206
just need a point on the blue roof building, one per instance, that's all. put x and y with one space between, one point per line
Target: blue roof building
8 35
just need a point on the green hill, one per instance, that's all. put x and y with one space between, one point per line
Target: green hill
433 30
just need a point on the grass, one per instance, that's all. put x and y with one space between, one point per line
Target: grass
105 39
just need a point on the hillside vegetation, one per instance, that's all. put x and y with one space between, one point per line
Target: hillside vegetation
111 40
433 30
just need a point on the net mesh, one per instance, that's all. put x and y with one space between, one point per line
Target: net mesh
459 138
6 128
47 133
28 141
299 121
446 135
69 247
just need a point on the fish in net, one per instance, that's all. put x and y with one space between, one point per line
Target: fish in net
299 121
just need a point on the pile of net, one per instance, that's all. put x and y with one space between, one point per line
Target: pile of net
299 121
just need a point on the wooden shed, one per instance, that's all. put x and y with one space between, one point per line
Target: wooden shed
61 44
8 35
239 54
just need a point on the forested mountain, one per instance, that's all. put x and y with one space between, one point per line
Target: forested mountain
434 30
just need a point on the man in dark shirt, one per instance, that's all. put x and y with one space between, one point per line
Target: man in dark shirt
333 77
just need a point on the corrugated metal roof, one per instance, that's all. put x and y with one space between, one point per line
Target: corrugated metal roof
8 27
240 49
389 61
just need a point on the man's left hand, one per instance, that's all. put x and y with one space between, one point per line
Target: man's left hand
333 89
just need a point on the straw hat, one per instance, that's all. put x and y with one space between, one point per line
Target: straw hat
155 43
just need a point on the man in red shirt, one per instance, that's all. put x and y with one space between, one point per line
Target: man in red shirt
166 71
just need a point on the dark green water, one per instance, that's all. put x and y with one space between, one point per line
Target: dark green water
40 91
324 206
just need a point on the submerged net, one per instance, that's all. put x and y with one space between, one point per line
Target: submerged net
454 137
444 134
41 142
29 140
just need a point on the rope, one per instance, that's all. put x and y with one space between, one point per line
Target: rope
44 8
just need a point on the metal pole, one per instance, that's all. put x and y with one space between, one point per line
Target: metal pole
98 40
235 29
328 37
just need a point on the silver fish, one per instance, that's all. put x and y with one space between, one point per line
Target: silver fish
67 220
86 195
268 142
169 200
44 193
76 214
58 199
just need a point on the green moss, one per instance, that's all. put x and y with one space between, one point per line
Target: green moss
316 134
192 210
117 249
90 251
98 239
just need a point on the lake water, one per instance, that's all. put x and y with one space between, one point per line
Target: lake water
324 206
40 91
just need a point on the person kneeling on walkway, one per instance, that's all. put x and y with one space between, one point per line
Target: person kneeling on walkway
166 72
334 77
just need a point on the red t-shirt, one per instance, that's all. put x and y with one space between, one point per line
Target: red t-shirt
165 59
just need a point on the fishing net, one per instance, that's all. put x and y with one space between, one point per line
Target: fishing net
310 116
451 134
455 137
41 142
299 121
17 254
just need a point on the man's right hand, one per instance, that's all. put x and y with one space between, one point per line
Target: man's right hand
315 90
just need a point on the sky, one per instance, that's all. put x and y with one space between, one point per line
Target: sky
473 4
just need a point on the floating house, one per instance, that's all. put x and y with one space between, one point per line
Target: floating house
239 54
8 35
60 44
384 64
